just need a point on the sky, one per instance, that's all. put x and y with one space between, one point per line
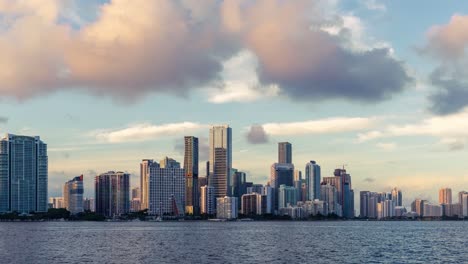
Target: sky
377 86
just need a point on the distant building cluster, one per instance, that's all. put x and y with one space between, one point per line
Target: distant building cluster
169 189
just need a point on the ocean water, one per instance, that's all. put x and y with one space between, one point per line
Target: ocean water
234 242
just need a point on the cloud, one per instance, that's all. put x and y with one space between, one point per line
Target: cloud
386 146
3 119
135 47
312 64
143 132
320 126
369 180
257 135
374 5
447 45
451 129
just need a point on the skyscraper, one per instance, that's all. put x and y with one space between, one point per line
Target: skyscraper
329 195
284 152
287 195
281 174
23 174
166 189
135 202
312 175
112 193
220 159
73 195
191 176
144 182
397 197
445 196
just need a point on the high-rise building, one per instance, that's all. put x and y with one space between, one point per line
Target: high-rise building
23 174
445 196
329 195
135 202
253 204
88 204
238 183
287 195
226 208
463 201
112 193
144 182
345 192
166 192
207 200
285 152
281 174
191 176
220 163
397 197
312 176
73 195
56 202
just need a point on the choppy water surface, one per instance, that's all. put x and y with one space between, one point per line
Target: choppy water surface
234 242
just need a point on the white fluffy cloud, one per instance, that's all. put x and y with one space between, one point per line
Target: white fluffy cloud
320 126
451 129
143 132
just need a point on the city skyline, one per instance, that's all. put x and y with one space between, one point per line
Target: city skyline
365 84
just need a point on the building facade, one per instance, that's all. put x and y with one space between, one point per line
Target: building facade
445 196
207 200
166 189
112 193
220 163
284 152
73 195
192 195
226 208
313 179
144 182
23 174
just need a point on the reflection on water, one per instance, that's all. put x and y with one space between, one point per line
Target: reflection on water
233 242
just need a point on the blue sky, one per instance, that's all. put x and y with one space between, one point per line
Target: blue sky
104 96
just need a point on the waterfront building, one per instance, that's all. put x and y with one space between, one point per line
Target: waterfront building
312 176
418 206
144 182
253 204
287 196
220 163
166 188
135 205
56 202
192 203
23 174
239 183
400 211
432 210
73 195
112 193
313 208
329 195
463 198
88 204
295 212
226 208
285 152
445 196
207 200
